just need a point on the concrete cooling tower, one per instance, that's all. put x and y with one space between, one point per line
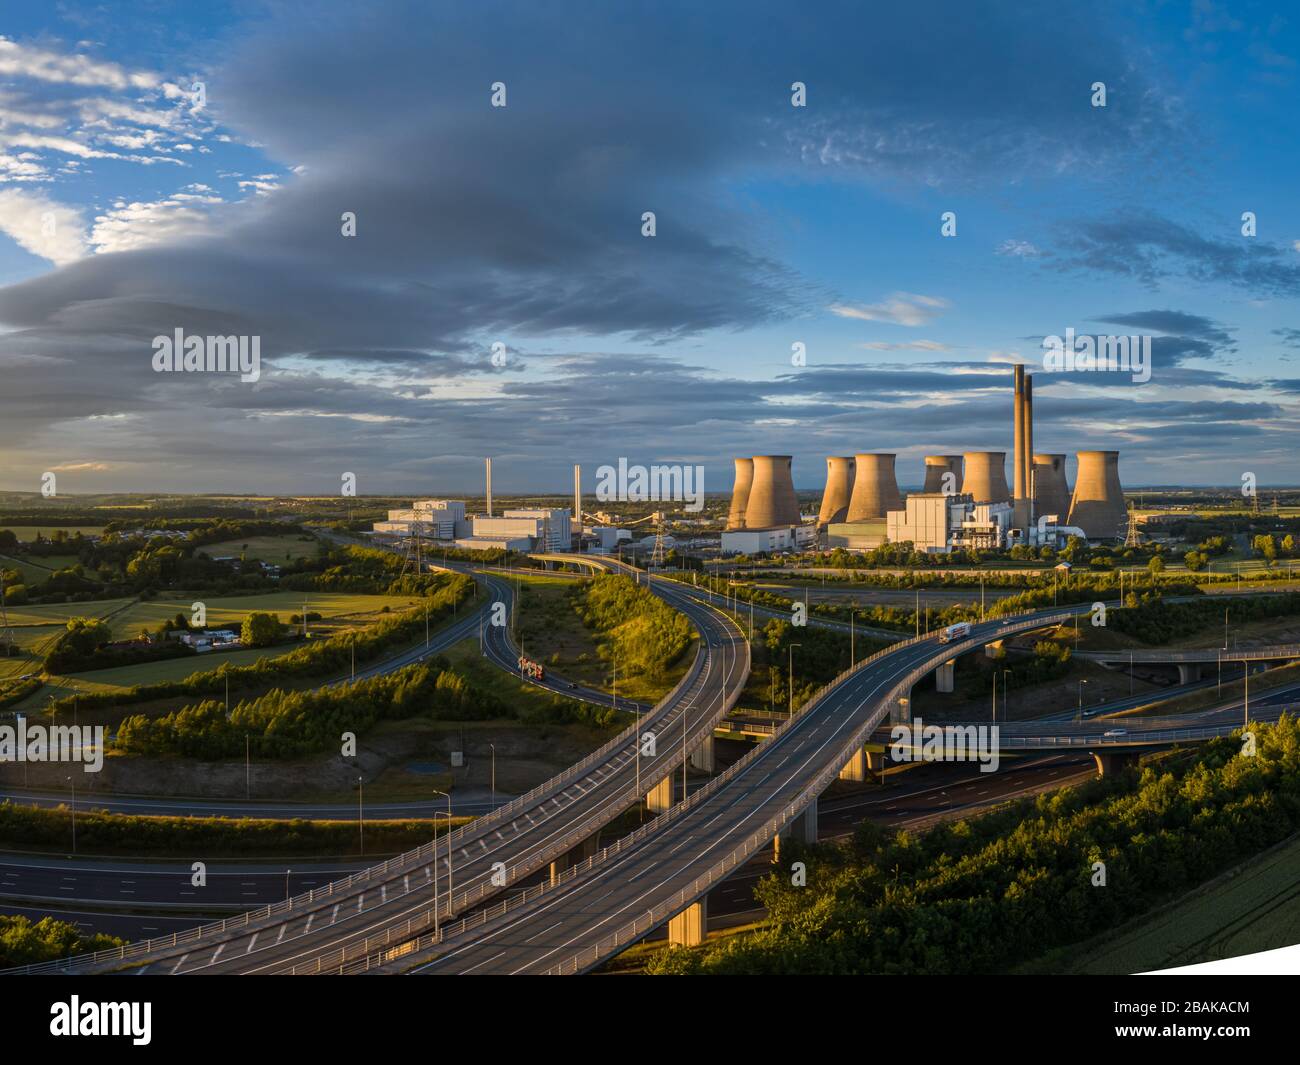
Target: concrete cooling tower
986 476
936 466
875 490
1051 492
740 493
1098 504
839 487
772 500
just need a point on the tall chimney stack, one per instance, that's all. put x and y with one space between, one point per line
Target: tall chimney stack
1028 457
577 504
489 487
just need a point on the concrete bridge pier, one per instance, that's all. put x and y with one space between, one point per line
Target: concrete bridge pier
584 850
943 676
803 829
900 711
659 798
1109 762
856 768
702 758
690 927
1189 672
994 649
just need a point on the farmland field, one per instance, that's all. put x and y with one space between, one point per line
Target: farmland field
27 533
1253 908
37 627
37 569
273 549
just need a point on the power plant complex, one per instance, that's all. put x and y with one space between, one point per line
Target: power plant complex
965 500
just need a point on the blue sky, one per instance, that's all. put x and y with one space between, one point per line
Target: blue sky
521 225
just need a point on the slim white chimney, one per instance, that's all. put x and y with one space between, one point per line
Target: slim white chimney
489 487
577 503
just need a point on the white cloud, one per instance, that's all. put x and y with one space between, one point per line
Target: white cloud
41 226
1022 249
128 226
900 308
22 61
910 345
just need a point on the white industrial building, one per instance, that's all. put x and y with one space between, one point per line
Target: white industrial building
937 523
768 541
521 530
437 519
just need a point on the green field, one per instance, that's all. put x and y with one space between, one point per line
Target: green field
274 549
27 533
37 627
1252 908
38 569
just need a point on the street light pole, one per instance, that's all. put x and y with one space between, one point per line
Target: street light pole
790 681
361 815
494 774
73 781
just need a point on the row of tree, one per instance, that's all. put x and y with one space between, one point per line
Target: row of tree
981 896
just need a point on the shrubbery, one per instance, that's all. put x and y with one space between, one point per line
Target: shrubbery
978 896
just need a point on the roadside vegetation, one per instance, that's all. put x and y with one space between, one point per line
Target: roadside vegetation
27 942
31 828
980 896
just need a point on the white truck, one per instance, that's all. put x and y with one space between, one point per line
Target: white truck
955 632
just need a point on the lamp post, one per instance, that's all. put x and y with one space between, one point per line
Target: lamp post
790 681
1006 692
435 853
361 815
73 781
1079 720
286 884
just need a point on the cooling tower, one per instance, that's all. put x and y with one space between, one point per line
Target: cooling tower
986 476
772 500
839 487
936 466
875 490
1051 492
740 493
1098 504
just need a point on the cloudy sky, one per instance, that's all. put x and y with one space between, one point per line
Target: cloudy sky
166 165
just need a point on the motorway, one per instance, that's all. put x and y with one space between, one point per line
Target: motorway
626 893
494 851
681 855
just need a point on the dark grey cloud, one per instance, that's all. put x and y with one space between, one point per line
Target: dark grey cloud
477 224
1148 248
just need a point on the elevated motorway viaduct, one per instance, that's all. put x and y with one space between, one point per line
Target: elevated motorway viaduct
661 872
397 899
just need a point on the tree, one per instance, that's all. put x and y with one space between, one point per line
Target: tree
260 629
1156 565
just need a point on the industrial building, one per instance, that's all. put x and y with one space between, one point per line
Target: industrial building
768 541
542 530
437 519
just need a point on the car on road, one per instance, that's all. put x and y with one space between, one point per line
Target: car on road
1114 732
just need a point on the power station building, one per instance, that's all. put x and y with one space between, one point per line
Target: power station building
437 519
521 530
